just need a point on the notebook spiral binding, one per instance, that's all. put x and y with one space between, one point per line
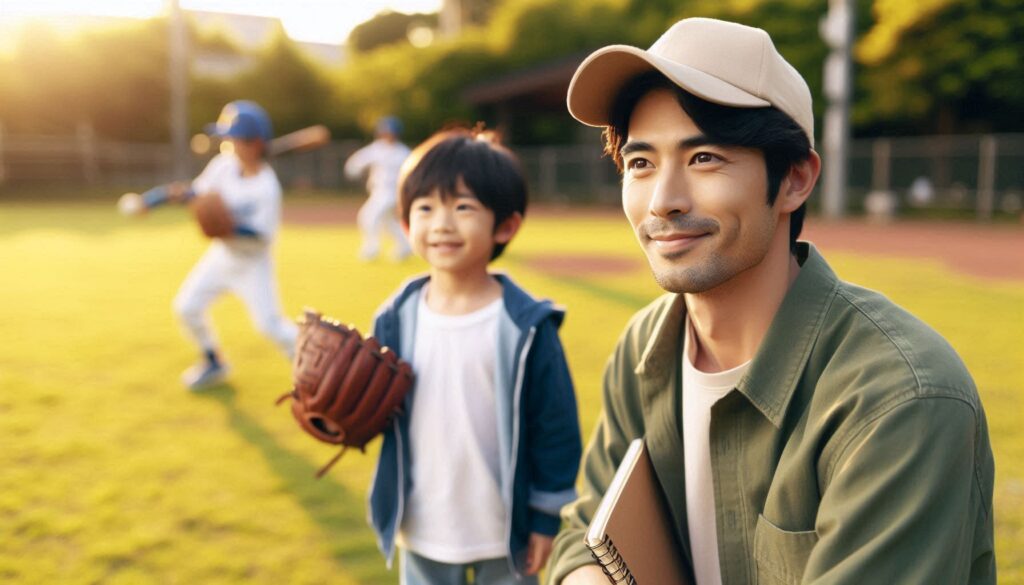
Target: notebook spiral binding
611 562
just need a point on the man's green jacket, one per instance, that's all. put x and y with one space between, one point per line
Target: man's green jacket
854 450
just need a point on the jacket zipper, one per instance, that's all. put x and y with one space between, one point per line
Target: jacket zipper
401 479
516 394
401 493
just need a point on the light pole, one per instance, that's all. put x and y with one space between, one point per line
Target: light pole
178 66
837 30
451 18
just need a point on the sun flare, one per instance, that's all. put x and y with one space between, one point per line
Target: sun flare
315 21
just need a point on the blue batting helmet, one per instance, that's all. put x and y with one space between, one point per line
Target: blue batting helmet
389 124
242 119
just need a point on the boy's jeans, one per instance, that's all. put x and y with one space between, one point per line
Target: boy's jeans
417 570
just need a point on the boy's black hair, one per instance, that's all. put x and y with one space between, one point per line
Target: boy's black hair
487 168
775 134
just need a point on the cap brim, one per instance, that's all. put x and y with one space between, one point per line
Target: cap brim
229 132
602 75
214 129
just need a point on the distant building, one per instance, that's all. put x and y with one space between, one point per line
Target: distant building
249 32
528 94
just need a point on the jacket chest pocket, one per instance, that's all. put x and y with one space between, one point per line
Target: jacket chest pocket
781 555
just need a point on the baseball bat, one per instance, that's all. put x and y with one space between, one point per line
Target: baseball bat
300 140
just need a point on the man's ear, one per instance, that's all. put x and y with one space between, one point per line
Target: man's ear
505 231
405 227
799 183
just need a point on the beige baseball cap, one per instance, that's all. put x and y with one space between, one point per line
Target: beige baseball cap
722 62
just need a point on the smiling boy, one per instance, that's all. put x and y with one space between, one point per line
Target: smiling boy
471 478
802 429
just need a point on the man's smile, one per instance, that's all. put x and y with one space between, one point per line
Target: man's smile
668 243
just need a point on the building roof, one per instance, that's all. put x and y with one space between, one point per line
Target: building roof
543 86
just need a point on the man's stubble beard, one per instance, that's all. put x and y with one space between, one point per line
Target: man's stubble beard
716 269
692 279
704 275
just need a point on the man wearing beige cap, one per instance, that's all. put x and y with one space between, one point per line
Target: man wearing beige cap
802 429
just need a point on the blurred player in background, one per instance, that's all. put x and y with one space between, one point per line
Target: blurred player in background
383 158
242 263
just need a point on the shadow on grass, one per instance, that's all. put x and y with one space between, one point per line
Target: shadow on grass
590 286
89 218
340 513
606 293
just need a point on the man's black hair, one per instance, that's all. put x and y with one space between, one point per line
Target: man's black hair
487 168
775 134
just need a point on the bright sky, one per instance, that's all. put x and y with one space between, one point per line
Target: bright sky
320 21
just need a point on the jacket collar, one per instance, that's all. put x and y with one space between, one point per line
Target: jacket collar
779 362
524 310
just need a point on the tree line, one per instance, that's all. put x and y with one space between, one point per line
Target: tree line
934 66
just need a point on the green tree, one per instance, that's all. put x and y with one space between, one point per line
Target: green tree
114 78
124 83
387 28
420 85
209 93
42 76
478 12
292 88
943 66
528 32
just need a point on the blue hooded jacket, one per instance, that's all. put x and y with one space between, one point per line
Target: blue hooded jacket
538 426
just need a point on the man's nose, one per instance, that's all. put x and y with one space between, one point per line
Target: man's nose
671 193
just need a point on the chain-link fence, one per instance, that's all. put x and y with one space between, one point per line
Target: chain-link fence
981 175
82 161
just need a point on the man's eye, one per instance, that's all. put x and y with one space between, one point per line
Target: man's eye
704 158
423 208
638 163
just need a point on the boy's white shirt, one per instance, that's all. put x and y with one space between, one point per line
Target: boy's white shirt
384 160
700 392
254 201
454 512
242 265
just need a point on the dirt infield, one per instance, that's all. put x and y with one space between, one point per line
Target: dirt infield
988 251
584 264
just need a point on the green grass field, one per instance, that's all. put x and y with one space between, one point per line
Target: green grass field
110 472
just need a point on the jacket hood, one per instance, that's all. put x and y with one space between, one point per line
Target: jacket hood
524 309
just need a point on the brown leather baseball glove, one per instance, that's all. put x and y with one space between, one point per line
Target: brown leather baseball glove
212 215
347 389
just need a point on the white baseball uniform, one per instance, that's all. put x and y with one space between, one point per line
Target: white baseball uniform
242 265
384 160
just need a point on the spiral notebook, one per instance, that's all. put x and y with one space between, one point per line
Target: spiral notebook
631 533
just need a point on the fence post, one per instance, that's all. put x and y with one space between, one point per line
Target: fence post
881 202
986 176
594 177
881 164
3 166
548 172
87 150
